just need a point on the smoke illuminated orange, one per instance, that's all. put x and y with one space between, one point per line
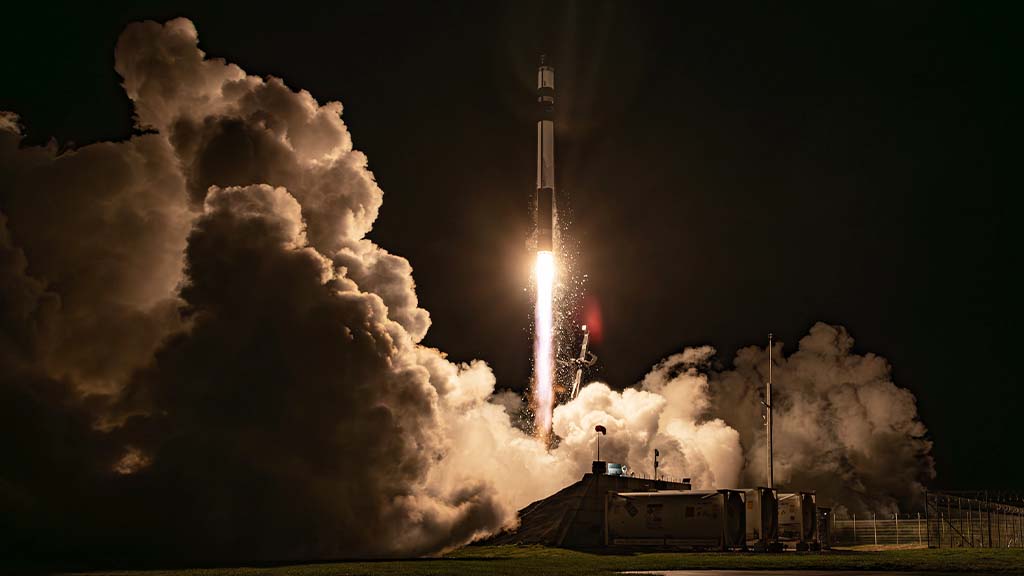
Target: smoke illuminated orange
543 347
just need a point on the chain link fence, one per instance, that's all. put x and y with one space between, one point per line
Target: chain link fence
950 520
974 520
893 529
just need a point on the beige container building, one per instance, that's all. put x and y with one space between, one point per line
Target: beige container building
676 519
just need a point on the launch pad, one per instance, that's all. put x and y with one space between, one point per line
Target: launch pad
614 511
573 517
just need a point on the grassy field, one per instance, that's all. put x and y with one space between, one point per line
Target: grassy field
537 561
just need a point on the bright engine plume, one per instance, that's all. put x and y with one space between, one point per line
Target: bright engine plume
543 347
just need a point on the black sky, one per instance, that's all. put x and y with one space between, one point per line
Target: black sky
731 172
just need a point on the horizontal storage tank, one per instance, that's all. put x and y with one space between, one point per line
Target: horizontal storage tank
762 507
676 518
798 519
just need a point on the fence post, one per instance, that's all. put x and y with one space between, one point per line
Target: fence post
919 526
988 514
927 519
874 526
1020 529
854 529
960 517
970 523
999 527
949 519
981 525
897 516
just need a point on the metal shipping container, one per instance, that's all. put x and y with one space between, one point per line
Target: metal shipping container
762 518
798 519
676 518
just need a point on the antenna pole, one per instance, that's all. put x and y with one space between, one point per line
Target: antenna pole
768 417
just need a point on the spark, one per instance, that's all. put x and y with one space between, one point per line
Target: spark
543 347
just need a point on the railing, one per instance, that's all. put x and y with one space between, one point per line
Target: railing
661 477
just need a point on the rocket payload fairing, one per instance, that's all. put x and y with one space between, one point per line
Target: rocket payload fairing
545 157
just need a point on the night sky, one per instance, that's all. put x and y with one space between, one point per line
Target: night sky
731 172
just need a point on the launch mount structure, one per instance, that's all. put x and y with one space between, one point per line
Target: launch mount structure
585 359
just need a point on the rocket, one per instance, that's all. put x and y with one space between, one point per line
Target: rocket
545 157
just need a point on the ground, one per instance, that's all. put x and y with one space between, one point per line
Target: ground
537 561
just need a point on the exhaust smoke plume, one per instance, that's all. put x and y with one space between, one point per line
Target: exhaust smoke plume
205 358
202 357
842 427
841 424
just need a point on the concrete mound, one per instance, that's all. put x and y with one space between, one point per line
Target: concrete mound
573 517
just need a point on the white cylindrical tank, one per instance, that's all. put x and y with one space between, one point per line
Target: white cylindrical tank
798 519
676 518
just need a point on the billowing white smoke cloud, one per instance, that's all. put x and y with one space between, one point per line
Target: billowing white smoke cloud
107 224
241 362
205 358
668 412
841 425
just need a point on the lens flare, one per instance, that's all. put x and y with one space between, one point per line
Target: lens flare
543 346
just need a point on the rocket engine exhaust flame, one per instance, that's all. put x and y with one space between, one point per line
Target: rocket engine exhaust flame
543 347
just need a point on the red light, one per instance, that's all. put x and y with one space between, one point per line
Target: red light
592 317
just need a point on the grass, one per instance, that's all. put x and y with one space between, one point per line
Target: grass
537 561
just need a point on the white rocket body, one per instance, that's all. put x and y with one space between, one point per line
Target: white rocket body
545 158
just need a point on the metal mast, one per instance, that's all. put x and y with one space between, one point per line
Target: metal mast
768 415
